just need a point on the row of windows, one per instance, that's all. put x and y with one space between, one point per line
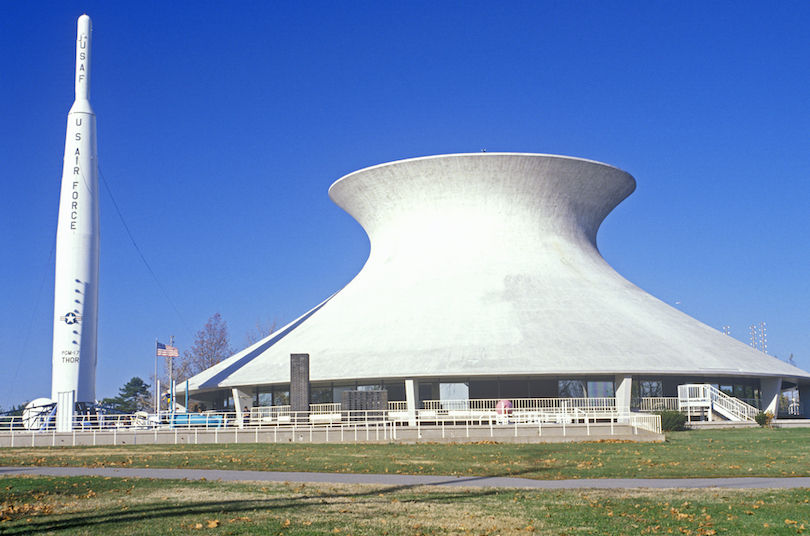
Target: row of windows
743 388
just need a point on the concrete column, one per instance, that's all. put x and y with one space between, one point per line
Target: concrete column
299 383
412 399
770 389
623 386
241 400
804 400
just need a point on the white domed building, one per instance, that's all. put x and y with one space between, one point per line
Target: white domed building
484 281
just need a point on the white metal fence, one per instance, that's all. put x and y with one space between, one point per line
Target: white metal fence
650 404
582 426
521 404
326 422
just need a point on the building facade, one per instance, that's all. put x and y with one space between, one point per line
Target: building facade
484 281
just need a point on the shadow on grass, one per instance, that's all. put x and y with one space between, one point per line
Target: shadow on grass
109 518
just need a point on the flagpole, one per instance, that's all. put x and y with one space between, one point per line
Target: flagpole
156 407
171 374
169 352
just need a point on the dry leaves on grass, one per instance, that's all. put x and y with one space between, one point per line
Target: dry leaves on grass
11 511
209 524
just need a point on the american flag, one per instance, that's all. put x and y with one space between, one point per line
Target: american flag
167 351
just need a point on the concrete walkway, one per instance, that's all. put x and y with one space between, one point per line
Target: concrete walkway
413 480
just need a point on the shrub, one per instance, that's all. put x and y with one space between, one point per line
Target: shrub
764 418
671 420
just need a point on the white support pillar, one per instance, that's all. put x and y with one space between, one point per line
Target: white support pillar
240 400
804 400
411 399
623 385
770 388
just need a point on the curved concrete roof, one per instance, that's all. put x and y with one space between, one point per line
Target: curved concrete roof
486 264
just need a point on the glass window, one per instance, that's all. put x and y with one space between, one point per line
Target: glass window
321 396
265 399
600 389
454 396
372 387
396 392
454 391
571 389
647 389
336 392
281 398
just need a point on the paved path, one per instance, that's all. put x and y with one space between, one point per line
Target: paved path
413 480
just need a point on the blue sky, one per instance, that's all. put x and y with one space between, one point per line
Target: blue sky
222 125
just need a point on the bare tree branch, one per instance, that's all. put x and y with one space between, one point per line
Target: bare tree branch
252 336
211 345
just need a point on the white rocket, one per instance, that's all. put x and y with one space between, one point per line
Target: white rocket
77 244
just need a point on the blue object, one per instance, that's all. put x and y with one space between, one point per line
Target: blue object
185 420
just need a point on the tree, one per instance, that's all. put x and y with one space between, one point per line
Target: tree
15 411
132 397
212 344
252 336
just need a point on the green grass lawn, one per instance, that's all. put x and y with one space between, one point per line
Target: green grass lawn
716 453
95 505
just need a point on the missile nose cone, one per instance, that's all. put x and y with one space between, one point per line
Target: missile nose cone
85 25
84 30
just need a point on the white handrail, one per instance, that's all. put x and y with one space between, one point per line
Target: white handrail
709 397
556 404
